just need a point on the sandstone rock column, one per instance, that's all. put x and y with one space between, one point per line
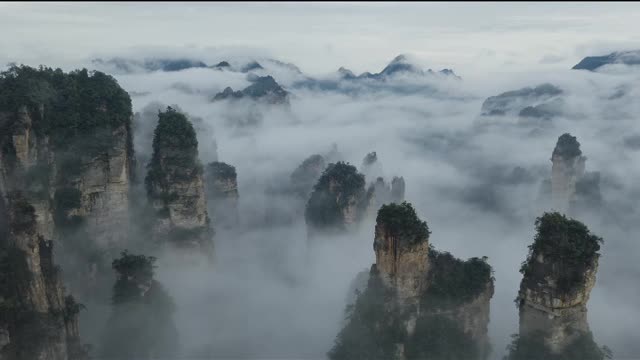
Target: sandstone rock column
175 185
557 280
401 245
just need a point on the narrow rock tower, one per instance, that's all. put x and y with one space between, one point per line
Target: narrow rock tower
558 276
568 167
175 185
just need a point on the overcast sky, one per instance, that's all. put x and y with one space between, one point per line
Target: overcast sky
320 37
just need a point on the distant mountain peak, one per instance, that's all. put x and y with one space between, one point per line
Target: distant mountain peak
592 63
262 88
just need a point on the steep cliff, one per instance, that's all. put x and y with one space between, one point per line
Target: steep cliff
558 276
418 303
37 320
222 194
175 185
338 201
65 157
401 245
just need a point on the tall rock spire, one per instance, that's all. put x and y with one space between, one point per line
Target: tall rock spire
558 276
568 167
175 185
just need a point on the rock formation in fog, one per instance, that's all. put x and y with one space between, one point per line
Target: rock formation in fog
558 276
222 194
419 303
263 88
382 192
141 325
338 201
306 175
571 187
175 185
543 101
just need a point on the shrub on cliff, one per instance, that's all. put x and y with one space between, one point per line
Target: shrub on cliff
568 245
401 221
567 146
453 281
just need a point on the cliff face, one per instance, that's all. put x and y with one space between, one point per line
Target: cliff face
65 160
175 185
222 194
401 253
37 321
419 303
557 280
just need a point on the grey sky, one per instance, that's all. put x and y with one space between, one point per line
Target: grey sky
320 37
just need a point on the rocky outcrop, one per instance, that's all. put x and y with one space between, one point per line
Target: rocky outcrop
571 186
175 185
558 276
419 303
338 201
222 194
